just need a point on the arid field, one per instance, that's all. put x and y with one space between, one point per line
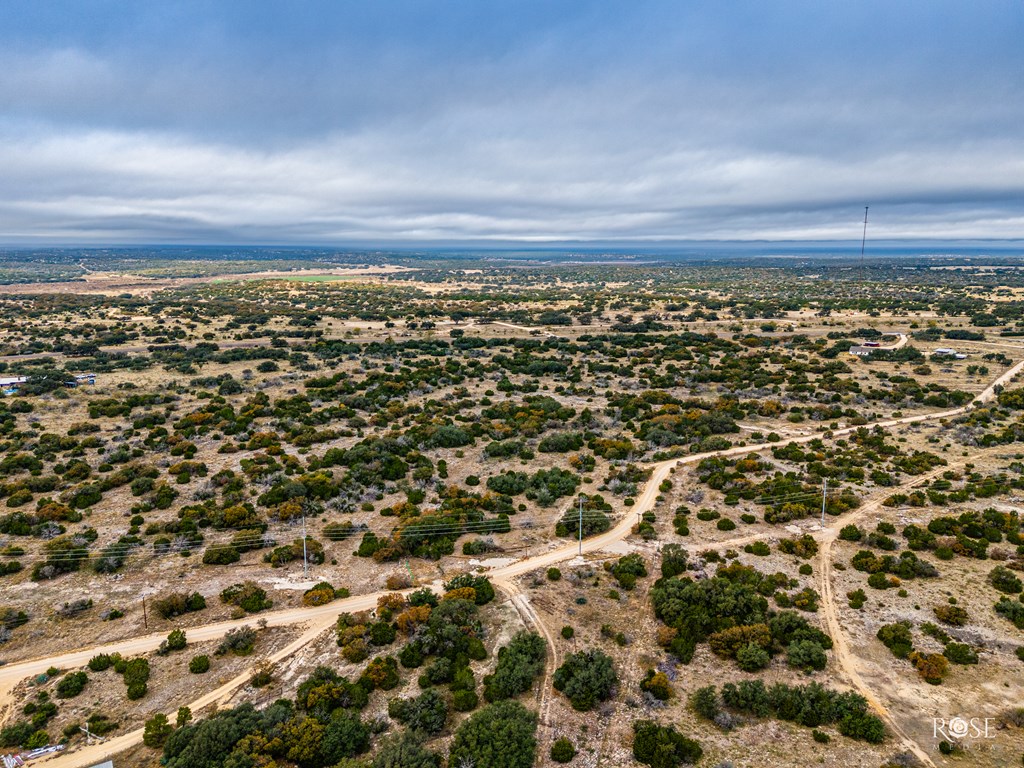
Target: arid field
378 511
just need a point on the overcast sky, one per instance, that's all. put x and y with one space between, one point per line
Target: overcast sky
376 121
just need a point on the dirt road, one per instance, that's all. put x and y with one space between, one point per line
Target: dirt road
841 653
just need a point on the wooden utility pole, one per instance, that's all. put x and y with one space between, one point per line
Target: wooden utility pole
305 562
824 496
581 524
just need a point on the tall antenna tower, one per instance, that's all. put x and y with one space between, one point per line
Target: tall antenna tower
863 241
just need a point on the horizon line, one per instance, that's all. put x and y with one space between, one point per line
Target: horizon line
503 245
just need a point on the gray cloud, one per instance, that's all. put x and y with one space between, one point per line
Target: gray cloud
660 123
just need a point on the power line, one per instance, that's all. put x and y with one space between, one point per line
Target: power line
493 525
267 538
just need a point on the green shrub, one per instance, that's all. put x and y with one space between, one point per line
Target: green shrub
101 662
136 675
464 701
586 678
809 705
179 603
850 533
704 701
240 642
37 740
381 633
248 596
199 665
752 657
627 570
500 735
157 730
1003 579
897 638
657 684
71 685
662 746
806 655
483 590
934 630
563 751
1011 610
137 691
951 614
879 581
16 734
175 641
519 663
426 713
960 653
221 555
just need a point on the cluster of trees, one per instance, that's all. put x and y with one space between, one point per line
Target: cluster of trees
729 612
810 705
932 667
323 727
31 732
545 486
905 566
135 672
968 534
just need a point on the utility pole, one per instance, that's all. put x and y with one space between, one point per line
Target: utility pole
581 524
824 495
305 562
145 621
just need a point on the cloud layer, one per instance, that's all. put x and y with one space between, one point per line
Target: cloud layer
413 122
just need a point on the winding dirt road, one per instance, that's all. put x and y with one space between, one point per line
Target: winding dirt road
841 654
